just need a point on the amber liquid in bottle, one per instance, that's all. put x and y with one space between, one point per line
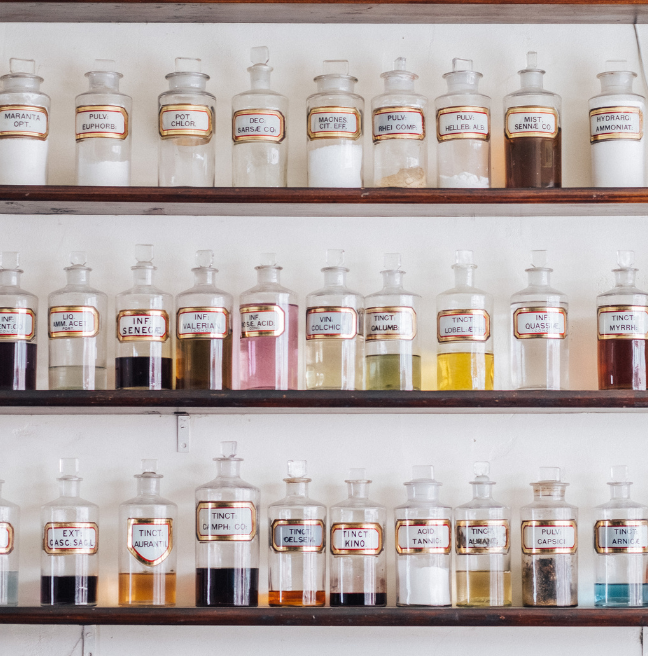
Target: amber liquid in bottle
204 363
622 364
484 588
533 162
147 589
296 598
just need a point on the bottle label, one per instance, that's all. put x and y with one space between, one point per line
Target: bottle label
390 323
67 538
258 125
531 122
483 536
331 323
17 323
334 123
104 121
73 321
186 121
150 541
306 535
463 326
623 322
24 121
6 538
356 538
203 323
555 536
416 536
621 536
463 123
226 520
398 123
540 323
142 326
616 123
262 321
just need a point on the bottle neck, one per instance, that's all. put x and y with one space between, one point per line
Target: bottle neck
21 83
357 489
297 489
464 276
148 486
268 274
78 276
69 488
482 490
260 76
393 278
335 277
532 80
625 277
548 492
204 276
399 83
423 492
617 82
143 276
463 82
228 467
192 81
620 491
104 80
539 277
9 278
335 83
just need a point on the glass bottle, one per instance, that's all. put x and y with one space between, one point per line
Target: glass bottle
269 336
621 545
423 543
532 130
260 151
18 322
297 552
464 332
393 360
358 570
463 130
103 129
549 544
334 337
69 560
227 544
617 130
335 129
143 352
77 331
399 135
204 331
147 553
9 530
24 126
186 123
623 330
483 546
539 344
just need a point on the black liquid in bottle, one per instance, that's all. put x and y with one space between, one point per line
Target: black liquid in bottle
17 365
533 162
358 599
227 586
69 590
143 372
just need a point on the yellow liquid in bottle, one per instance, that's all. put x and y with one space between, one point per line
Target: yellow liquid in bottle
465 371
333 364
484 588
147 589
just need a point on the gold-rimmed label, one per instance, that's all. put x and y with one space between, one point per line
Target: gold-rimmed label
390 322
234 521
531 122
305 535
331 323
150 540
203 323
540 323
101 121
482 536
623 322
398 123
258 125
262 321
6 538
17 323
334 123
184 120
621 536
416 536
70 538
552 536
616 123
142 326
24 121
356 539
463 326
463 123
73 321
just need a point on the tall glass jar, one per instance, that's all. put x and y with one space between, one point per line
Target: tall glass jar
9 531
335 129
259 132
24 125
103 129
549 544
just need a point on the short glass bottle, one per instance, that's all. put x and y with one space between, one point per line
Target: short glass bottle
617 139
393 359
621 545
69 560
259 132
186 124
269 331
147 550
18 323
335 129
334 338
143 350
77 331
463 130
204 331
9 530
483 546
465 358
549 544
622 330
399 131
297 552
423 543
358 568
227 536
539 343
24 126
103 129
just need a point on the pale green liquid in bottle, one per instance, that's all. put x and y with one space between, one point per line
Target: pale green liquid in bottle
394 372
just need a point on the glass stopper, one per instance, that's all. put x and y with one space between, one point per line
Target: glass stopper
613 65
268 259
549 474
481 468
532 59
22 66
357 474
9 260
336 67
461 65
228 449
105 65
144 252
539 259
334 257
463 258
400 64
296 468
259 55
625 259
187 65
78 258
69 466
619 474
391 261
149 466
422 472
204 259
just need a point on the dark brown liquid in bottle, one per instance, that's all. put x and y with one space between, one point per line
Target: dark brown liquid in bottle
204 363
143 373
533 162
622 364
17 365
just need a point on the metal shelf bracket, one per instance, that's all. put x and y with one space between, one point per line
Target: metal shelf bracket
183 433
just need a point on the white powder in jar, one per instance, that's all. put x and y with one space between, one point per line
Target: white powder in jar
339 165
23 161
618 163
464 180
423 586
103 174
